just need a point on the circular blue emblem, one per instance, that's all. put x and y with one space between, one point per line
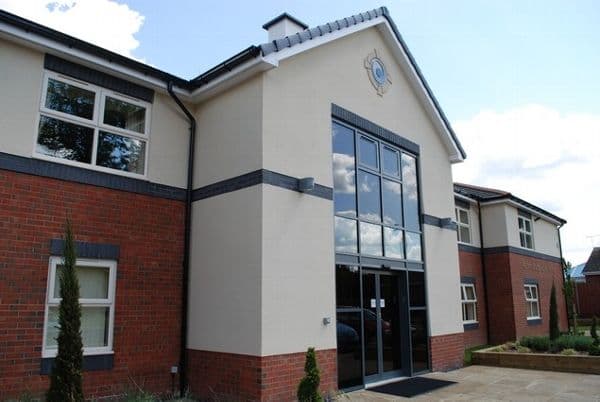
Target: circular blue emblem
378 71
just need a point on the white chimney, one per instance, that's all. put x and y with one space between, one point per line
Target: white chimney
283 25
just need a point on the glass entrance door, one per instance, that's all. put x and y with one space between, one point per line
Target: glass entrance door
382 342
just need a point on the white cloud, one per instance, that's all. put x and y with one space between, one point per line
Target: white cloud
102 22
547 158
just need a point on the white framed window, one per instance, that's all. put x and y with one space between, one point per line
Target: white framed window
468 297
463 221
526 231
97 280
85 125
533 302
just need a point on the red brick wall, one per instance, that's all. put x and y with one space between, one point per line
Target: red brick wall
500 297
447 351
470 265
545 273
148 290
227 376
588 297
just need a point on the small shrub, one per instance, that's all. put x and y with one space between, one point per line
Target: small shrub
580 343
568 352
595 349
537 343
523 349
511 345
308 389
497 349
593 330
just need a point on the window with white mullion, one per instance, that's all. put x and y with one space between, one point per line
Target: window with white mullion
97 280
469 303
525 231
533 302
463 230
91 126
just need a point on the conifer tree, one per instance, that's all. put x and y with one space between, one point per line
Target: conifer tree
66 378
308 389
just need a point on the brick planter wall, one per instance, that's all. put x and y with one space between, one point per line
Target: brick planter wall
149 233
470 266
533 361
447 352
234 377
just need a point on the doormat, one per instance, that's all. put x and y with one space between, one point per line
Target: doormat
412 386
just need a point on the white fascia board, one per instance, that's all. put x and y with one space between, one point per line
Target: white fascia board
524 208
465 198
235 76
46 45
386 30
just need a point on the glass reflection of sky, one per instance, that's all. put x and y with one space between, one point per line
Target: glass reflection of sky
369 206
410 196
413 246
343 171
392 202
345 235
392 239
370 239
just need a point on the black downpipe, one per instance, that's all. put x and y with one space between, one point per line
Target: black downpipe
187 240
563 265
483 274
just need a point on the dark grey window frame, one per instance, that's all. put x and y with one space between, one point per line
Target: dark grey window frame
383 261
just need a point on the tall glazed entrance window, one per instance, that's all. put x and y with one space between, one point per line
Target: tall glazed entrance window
381 311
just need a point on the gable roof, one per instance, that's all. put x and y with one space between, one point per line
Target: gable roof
242 64
593 263
486 194
355 21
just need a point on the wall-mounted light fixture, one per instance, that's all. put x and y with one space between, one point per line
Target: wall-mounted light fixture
306 184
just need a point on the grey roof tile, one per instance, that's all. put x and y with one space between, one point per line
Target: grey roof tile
593 263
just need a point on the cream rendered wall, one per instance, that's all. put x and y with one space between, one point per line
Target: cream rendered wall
545 238
545 235
229 137
495 221
297 142
21 83
225 273
298 272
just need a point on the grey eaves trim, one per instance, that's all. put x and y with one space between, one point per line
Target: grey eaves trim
467 279
521 251
275 20
471 326
42 168
437 222
99 78
99 251
376 130
469 249
90 363
261 176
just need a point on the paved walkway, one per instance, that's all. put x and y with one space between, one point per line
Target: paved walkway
483 383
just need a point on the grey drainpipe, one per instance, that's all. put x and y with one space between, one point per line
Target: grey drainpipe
483 274
562 267
187 240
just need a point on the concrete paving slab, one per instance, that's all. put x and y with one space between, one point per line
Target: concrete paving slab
483 383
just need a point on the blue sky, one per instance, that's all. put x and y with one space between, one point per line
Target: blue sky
517 79
475 54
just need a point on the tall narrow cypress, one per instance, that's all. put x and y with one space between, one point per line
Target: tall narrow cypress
554 331
66 379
